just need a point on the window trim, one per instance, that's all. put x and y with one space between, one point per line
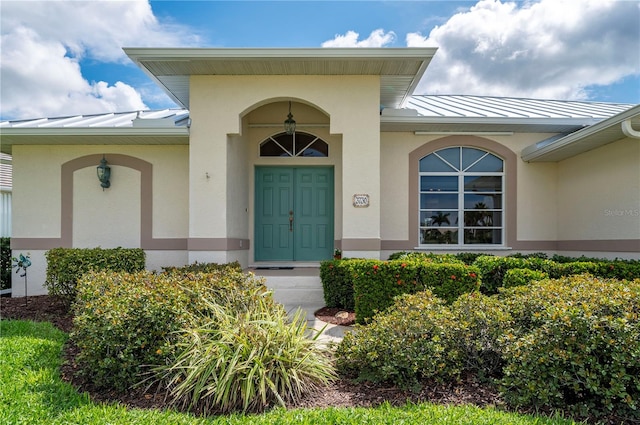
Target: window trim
510 201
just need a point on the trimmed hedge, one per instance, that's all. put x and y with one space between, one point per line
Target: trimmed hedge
65 266
519 277
337 284
376 283
493 269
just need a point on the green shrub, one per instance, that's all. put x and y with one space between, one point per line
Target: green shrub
337 284
518 277
426 256
5 263
574 346
124 322
480 322
405 344
65 266
203 268
493 269
376 283
247 361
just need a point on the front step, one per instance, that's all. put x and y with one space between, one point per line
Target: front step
296 288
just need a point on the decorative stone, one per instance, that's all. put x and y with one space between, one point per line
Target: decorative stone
341 315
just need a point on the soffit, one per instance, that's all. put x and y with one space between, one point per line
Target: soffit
400 70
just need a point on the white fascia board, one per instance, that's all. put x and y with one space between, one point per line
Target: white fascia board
535 152
185 54
578 122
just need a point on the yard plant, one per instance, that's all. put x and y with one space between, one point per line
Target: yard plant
568 343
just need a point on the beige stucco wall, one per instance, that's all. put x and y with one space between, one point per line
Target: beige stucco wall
599 193
108 218
219 104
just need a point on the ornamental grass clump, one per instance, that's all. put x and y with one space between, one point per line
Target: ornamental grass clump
245 361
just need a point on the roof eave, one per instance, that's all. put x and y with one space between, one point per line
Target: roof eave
565 147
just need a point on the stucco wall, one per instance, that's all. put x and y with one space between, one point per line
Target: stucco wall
108 218
220 103
599 193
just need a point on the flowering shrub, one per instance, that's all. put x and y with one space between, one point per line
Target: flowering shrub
376 283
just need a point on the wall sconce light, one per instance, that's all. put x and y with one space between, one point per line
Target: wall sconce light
104 173
289 123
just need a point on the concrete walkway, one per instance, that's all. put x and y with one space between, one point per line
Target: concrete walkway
301 288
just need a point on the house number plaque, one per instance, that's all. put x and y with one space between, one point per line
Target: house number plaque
361 201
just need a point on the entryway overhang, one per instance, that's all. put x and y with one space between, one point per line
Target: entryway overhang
400 69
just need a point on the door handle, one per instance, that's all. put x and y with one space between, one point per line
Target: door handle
291 220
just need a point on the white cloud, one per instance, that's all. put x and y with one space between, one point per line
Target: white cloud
43 43
548 49
377 38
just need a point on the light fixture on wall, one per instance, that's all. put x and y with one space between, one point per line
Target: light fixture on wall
104 173
289 123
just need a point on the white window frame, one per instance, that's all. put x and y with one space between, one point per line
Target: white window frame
460 227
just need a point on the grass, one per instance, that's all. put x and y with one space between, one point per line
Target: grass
31 392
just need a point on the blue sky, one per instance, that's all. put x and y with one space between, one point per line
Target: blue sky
65 57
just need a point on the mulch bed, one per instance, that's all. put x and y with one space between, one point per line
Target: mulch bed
342 393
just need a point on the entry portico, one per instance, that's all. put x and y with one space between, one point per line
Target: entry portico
239 98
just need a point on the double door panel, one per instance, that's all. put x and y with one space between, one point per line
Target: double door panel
294 213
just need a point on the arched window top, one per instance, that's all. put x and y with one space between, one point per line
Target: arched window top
461 159
294 145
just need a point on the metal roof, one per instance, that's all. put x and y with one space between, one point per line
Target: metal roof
440 113
400 69
167 126
462 106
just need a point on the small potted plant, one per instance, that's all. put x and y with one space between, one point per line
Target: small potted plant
337 254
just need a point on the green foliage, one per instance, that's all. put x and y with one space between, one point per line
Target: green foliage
518 277
407 343
124 322
65 266
247 361
574 346
376 283
204 268
337 284
426 256
34 393
493 269
480 322
5 263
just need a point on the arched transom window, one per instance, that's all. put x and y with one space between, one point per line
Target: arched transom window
461 197
292 145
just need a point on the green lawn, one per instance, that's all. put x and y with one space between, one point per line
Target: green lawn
31 392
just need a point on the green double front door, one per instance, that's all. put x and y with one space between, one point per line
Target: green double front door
294 213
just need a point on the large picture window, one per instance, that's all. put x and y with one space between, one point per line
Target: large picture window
461 197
